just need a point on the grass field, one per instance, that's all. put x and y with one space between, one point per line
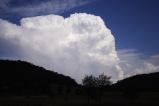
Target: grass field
108 99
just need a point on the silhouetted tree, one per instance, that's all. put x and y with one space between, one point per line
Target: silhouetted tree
100 81
93 83
89 81
103 80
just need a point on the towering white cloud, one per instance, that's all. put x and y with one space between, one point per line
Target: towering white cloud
78 45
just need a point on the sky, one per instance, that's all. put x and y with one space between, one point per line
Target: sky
117 37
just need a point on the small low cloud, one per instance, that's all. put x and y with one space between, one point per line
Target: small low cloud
132 62
76 46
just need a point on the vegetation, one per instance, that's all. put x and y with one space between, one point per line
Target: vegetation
94 86
22 79
100 81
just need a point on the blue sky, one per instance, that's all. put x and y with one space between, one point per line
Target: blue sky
134 23
81 42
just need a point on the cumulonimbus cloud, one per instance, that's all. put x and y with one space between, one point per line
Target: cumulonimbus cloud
76 46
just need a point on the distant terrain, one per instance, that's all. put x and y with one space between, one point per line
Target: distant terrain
23 78
140 83
24 83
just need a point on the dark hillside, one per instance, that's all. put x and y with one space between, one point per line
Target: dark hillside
144 82
22 83
22 78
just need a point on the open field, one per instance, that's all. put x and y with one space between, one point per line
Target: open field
108 99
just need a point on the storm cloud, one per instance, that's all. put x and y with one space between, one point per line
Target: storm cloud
76 46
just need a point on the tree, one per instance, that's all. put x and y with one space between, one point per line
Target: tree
100 81
94 84
89 81
103 80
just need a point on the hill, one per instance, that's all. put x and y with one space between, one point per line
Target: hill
22 83
23 78
143 82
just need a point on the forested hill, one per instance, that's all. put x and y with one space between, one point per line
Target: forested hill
143 82
22 78
18 77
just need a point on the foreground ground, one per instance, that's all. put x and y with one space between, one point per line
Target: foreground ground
108 99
